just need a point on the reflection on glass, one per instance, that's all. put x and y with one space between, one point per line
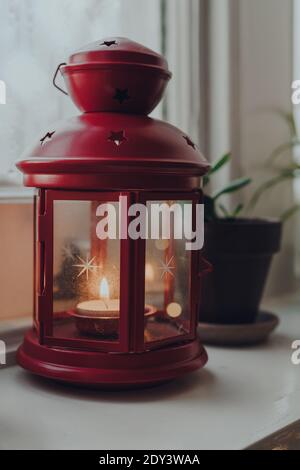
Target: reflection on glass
86 285
167 283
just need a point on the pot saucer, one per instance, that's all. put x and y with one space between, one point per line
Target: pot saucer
241 334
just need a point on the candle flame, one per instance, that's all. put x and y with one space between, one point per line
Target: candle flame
104 289
149 272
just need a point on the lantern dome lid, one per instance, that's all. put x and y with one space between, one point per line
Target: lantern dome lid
105 144
116 82
115 75
118 50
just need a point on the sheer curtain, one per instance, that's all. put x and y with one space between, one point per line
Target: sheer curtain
35 36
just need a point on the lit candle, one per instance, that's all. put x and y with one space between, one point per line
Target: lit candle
101 316
104 307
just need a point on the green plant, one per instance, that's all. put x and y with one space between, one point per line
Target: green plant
282 173
212 205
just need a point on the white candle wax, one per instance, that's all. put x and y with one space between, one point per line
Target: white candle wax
99 308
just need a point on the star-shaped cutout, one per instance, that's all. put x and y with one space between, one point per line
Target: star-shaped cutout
121 95
117 137
47 137
108 43
166 267
86 266
189 142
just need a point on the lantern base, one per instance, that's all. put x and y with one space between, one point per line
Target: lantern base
106 370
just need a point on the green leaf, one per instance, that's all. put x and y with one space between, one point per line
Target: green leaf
237 210
284 148
289 212
293 169
284 175
234 213
224 210
216 166
291 123
289 118
221 162
232 187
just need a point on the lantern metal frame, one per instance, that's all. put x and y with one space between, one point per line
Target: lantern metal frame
132 260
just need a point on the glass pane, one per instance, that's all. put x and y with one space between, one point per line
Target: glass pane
86 273
167 281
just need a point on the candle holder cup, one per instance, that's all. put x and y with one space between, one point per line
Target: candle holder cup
106 325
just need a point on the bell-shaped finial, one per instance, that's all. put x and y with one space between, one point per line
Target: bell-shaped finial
115 75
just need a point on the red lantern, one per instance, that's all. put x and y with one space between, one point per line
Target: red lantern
117 312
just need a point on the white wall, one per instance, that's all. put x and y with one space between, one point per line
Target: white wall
265 64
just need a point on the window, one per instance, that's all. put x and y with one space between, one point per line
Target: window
34 39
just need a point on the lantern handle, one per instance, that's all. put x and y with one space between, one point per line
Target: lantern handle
54 79
205 267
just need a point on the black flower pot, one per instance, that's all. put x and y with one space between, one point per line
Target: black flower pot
240 251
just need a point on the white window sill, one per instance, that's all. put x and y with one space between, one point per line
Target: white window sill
12 333
16 195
